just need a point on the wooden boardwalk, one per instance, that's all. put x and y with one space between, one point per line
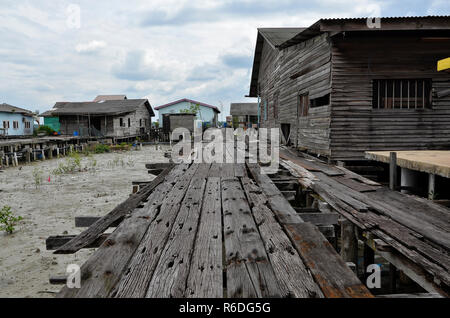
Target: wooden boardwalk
210 230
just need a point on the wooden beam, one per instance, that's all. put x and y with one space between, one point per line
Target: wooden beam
55 242
320 218
86 221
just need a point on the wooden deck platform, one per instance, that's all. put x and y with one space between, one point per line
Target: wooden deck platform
411 233
211 230
435 162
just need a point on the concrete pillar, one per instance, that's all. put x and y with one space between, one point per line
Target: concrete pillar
431 186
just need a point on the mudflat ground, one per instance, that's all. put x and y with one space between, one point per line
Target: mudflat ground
50 208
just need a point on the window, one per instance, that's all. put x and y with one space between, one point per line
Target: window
27 125
401 93
303 105
6 124
320 101
15 124
129 122
121 124
140 122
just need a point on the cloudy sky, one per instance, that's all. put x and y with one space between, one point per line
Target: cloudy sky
158 49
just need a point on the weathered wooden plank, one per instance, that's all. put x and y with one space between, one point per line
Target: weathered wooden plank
320 218
54 242
86 221
101 272
171 273
284 212
292 275
329 270
159 165
91 234
140 269
205 279
240 170
355 185
249 272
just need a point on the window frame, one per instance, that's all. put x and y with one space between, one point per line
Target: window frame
388 87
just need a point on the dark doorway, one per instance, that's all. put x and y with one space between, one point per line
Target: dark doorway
96 126
286 131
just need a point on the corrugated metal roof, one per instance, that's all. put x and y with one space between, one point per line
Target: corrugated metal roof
108 107
409 23
189 101
6 108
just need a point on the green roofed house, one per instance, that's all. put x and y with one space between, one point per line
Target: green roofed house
106 116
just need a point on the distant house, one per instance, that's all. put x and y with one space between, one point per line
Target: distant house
15 121
244 114
105 117
207 113
339 88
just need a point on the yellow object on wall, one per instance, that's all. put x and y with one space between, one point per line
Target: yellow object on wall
444 64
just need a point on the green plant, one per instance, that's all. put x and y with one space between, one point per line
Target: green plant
47 129
101 148
37 177
8 220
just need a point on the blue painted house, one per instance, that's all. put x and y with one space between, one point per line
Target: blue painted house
15 121
207 113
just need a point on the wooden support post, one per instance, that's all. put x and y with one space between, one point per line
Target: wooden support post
43 153
393 278
34 153
431 186
57 152
50 152
28 154
369 259
392 170
349 242
16 161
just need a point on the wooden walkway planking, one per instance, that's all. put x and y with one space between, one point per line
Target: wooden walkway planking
203 221
105 267
416 229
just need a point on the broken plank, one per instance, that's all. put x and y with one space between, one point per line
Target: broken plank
329 270
249 272
91 234
205 279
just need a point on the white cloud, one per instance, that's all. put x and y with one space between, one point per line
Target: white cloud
90 47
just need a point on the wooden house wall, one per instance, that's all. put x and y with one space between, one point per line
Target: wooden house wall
357 127
310 64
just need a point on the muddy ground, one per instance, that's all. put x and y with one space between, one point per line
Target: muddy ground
50 208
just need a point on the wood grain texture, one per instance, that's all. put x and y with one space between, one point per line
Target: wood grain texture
292 275
206 271
140 269
249 272
101 272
